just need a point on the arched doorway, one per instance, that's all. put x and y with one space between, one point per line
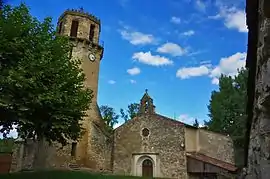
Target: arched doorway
147 168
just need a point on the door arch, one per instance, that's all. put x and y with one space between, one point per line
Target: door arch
147 168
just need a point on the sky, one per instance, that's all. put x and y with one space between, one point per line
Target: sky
176 49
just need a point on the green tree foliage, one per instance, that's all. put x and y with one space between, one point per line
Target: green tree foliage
196 123
42 90
109 116
131 111
227 110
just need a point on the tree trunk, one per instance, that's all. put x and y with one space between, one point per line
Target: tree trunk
40 154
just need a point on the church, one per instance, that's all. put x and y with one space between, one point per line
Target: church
149 145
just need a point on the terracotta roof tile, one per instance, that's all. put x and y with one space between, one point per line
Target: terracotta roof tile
213 161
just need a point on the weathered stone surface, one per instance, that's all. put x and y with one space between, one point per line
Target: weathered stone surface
259 146
165 140
216 145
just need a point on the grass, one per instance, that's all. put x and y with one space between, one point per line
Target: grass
61 175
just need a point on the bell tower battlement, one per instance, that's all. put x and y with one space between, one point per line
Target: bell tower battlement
79 24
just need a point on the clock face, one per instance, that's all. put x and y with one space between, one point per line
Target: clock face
91 57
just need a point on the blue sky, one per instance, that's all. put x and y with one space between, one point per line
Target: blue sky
176 49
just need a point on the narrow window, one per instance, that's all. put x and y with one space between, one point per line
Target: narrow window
60 27
73 148
74 28
92 32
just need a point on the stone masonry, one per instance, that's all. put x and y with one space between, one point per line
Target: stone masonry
258 21
164 139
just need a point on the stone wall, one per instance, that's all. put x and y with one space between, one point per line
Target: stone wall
164 141
259 145
216 145
97 158
192 141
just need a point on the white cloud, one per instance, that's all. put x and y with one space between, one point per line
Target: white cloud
134 71
133 81
215 81
137 38
186 119
172 48
111 82
228 66
201 6
185 73
175 20
188 33
233 18
149 59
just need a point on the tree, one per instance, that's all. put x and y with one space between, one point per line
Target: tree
131 112
196 123
227 110
42 90
109 116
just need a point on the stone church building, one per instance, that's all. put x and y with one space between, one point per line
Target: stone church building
148 145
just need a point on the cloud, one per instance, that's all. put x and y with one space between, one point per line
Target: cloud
175 20
227 65
185 118
134 71
172 49
133 81
111 82
201 6
149 59
188 33
233 18
185 73
137 38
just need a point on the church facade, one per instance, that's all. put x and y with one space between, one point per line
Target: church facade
153 145
149 145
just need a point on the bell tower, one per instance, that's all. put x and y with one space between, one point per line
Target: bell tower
83 31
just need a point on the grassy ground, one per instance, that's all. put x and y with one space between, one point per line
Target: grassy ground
61 175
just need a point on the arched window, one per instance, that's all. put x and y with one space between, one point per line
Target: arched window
92 32
74 28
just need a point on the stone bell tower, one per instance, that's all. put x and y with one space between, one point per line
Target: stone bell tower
83 30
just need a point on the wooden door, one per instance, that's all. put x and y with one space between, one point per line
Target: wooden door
147 168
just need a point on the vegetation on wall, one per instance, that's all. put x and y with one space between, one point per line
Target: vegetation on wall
227 110
42 90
